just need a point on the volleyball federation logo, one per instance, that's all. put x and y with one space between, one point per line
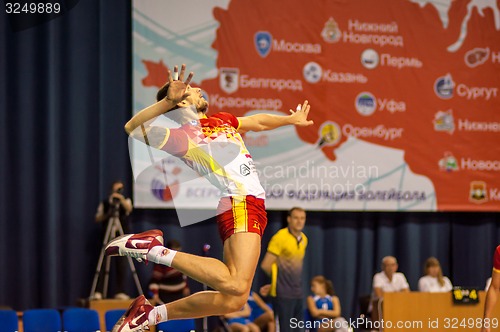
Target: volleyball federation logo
166 185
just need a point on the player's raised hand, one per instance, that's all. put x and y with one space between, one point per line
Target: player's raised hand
300 115
177 90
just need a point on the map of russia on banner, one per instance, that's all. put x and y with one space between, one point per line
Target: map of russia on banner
404 97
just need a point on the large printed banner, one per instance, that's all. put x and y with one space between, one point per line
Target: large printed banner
404 97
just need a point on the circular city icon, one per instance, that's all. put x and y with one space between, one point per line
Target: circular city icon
369 58
312 72
365 103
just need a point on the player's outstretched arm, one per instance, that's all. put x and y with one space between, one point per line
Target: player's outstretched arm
175 94
261 122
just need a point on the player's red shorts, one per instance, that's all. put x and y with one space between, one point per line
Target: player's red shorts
241 215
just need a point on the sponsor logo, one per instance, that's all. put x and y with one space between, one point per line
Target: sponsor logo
228 79
244 170
448 163
139 244
165 185
370 58
477 192
312 72
365 103
443 121
263 41
329 133
135 321
331 32
443 87
476 56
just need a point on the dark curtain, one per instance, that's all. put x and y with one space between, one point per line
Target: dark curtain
65 93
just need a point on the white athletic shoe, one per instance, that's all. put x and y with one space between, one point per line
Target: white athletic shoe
135 245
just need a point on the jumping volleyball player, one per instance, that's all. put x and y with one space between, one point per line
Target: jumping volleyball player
241 216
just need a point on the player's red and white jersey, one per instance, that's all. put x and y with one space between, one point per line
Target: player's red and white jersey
496 260
214 149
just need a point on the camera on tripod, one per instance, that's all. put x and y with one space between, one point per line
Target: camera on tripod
116 200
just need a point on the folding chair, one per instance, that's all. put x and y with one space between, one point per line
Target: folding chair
41 320
80 320
180 325
9 322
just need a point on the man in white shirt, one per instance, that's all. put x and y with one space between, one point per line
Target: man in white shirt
387 281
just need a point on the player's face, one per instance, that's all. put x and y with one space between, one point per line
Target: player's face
196 99
297 220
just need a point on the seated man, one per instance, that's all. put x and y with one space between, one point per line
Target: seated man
387 281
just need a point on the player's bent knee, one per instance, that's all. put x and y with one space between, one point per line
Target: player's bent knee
236 288
234 303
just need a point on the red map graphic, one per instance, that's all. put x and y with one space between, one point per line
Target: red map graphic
424 38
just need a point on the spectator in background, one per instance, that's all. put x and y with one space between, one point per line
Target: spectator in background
493 292
262 315
325 304
283 262
105 211
239 321
387 281
433 280
167 284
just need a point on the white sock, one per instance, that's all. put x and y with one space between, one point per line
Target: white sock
158 315
161 255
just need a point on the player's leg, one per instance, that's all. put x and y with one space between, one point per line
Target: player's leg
241 255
